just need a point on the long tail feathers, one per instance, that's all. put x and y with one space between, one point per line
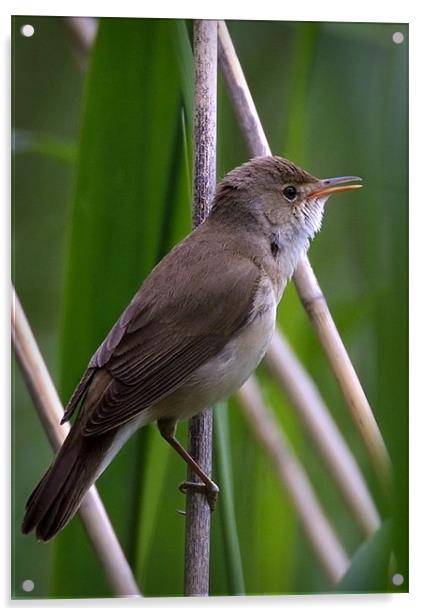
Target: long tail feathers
75 468
60 492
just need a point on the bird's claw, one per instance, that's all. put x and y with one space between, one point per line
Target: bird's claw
211 491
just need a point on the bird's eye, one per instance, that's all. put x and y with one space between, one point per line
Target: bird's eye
290 193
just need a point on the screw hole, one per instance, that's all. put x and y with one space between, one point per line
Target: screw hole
397 579
27 30
28 585
398 38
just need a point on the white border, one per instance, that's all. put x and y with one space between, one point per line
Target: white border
324 10
309 10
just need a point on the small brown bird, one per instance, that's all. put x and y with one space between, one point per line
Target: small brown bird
194 332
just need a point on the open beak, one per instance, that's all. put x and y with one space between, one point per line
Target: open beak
334 185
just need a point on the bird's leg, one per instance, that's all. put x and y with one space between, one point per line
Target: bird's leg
167 428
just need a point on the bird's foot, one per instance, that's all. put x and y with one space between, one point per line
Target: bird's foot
211 491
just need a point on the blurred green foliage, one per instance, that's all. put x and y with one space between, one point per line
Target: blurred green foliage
369 570
101 190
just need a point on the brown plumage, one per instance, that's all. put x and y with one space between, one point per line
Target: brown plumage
193 333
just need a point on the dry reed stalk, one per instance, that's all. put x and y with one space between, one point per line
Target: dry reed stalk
306 399
306 283
197 544
293 478
83 32
50 411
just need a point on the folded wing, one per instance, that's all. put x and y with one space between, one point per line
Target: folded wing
169 330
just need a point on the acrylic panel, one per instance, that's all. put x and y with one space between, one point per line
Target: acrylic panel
102 182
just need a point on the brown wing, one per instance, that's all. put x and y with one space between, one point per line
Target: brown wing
169 330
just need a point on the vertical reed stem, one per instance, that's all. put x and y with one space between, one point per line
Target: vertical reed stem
197 548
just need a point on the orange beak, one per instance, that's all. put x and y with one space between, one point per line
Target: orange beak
333 185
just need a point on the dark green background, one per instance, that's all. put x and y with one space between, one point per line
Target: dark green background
101 189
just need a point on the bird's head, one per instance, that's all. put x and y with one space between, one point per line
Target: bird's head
286 196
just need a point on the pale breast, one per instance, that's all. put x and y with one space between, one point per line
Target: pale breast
218 378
